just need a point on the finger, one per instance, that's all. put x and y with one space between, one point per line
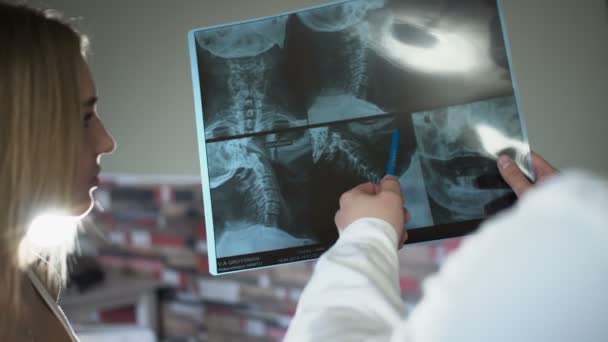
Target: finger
366 188
338 220
542 168
403 238
345 198
377 189
406 216
391 184
513 175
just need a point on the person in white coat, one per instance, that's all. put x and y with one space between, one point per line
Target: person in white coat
536 272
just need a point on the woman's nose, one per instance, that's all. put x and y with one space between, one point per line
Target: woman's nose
107 144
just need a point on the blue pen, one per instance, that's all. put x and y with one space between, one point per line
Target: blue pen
392 157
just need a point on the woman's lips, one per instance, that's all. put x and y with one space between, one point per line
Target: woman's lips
95 181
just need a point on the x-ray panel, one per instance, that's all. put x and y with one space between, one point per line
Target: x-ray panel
242 75
293 110
458 147
259 189
369 57
348 154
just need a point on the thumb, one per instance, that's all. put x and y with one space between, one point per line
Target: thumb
511 173
391 184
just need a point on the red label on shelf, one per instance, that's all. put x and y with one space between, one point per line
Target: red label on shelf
168 240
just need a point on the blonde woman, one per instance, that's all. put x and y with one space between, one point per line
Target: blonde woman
51 140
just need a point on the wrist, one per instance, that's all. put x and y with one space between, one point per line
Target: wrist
362 228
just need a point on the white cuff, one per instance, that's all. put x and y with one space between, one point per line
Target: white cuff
369 228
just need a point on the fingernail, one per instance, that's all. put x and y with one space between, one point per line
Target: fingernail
390 177
504 162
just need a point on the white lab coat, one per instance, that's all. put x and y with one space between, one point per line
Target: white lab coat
537 272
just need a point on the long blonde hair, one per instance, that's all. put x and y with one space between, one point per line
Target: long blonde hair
40 134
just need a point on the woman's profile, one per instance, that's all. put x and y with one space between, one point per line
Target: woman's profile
51 140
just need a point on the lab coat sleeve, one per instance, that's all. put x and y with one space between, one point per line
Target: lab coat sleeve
354 292
534 273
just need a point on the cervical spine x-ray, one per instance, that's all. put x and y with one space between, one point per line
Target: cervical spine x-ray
298 108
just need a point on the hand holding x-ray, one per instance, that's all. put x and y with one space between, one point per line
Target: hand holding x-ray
517 180
511 176
383 201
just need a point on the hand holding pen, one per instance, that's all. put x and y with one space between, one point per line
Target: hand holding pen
383 201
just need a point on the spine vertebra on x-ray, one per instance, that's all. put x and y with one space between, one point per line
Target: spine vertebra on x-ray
243 90
265 177
344 74
345 152
245 164
357 152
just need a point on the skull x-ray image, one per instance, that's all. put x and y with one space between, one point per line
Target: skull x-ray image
457 146
295 109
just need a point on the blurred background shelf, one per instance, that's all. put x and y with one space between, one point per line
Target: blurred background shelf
120 297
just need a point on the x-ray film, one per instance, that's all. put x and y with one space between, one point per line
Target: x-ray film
295 109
